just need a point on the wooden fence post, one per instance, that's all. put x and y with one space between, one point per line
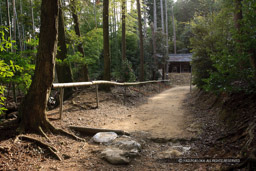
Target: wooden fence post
125 88
190 80
97 94
61 100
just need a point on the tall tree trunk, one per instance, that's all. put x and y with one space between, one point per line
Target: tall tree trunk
145 19
115 28
106 75
174 32
166 31
162 24
63 70
238 14
17 26
22 28
115 18
111 27
162 15
80 45
33 107
154 41
123 30
141 43
155 17
8 20
14 44
14 24
155 65
32 17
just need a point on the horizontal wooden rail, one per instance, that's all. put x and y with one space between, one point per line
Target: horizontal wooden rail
81 84
96 84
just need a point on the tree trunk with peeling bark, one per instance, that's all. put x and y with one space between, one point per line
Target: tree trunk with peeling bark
33 108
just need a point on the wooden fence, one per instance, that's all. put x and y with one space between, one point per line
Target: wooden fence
96 84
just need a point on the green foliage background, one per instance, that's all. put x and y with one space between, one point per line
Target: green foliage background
221 54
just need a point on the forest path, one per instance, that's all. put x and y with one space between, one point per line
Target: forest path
163 116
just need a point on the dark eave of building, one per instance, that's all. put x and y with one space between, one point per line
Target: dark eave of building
178 57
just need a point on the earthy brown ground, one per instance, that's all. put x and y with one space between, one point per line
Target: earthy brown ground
158 122
162 116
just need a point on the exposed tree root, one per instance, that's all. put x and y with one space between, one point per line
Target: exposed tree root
241 125
43 134
52 149
3 150
48 127
227 136
250 160
63 132
251 136
78 151
249 163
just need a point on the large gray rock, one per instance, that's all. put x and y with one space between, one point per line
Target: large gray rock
115 156
127 143
104 137
121 150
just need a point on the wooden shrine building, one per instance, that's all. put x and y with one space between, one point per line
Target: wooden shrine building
179 63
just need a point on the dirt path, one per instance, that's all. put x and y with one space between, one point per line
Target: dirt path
162 117
169 125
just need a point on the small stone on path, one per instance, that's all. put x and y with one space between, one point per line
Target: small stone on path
104 137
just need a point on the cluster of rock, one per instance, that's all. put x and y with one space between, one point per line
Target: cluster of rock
119 150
